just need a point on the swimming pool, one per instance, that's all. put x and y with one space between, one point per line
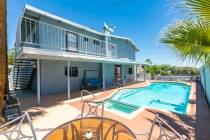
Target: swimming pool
170 96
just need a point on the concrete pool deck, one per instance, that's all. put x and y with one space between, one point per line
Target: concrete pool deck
56 109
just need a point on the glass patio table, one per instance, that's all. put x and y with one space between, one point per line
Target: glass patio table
91 128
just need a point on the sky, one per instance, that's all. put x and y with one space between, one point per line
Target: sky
141 20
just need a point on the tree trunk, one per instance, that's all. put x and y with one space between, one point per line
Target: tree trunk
3 53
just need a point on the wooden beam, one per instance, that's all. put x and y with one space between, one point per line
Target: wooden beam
3 53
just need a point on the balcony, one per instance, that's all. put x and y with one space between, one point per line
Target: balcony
36 34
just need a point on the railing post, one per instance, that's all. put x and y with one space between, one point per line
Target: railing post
19 34
107 46
26 31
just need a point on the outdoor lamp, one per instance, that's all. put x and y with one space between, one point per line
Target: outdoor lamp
88 135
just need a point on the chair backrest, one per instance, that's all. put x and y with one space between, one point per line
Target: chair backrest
12 130
166 131
93 107
114 132
85 92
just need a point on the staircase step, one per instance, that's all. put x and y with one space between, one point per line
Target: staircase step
22 72
11 111
23 75
20 79
11 117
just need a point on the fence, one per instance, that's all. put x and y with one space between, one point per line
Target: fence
205 80
184 78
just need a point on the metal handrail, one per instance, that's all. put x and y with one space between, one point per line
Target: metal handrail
85 91
33 26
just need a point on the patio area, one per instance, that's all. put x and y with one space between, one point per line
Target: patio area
56 109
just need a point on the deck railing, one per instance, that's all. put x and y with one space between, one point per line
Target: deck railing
34 33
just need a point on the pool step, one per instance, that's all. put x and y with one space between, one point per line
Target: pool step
122 103
125 93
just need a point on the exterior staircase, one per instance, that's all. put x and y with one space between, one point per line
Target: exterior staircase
22 73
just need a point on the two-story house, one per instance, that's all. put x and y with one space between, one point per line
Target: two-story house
55 55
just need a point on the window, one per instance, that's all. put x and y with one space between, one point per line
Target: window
71 41
130 71
96 42
65 72
28 30
73 71
85 39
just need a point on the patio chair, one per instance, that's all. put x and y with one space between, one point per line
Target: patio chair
166 132
13 131
93 107
113 132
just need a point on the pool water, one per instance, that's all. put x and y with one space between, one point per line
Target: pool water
170 96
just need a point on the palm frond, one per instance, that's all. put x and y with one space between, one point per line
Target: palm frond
200 8
190 39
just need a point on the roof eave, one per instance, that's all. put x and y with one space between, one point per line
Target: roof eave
45 13
129 39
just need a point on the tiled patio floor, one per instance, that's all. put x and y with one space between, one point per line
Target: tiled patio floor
55 110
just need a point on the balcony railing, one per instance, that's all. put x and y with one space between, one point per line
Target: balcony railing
33 33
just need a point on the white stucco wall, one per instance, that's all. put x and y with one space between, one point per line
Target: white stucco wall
53 79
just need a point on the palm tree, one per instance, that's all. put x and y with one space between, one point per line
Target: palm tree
190 38
3 53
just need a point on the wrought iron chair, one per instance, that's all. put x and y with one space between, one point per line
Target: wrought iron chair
93 107
13 131
114 132
87 93
166 132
